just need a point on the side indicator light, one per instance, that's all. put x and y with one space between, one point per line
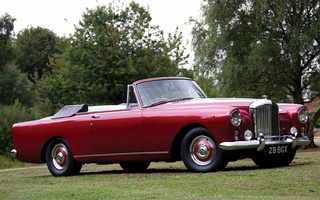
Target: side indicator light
303 129
236 133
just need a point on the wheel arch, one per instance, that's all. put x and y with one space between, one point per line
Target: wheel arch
44 148
176 144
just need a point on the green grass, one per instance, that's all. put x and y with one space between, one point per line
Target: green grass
6 162
241 180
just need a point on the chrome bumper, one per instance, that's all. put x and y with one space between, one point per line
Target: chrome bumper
261 142
14 153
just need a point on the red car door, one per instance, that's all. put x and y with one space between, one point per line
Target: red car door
116 132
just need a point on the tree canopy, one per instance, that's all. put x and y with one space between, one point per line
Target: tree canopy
14 85
111 47
34 46
6 50
260 47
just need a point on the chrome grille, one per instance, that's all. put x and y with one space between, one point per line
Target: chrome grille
266 118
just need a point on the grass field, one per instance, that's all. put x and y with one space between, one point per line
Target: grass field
241 180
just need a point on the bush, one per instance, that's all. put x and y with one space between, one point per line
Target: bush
15 85
9 115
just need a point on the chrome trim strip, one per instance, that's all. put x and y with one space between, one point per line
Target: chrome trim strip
123 154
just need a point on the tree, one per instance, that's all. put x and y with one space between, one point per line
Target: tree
34 47
13 84
6 50
268 47
111 47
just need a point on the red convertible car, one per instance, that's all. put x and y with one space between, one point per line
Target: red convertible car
164 119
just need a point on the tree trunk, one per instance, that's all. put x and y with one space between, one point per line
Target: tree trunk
310 132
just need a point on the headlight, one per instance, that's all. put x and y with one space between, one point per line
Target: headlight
303 115
235 118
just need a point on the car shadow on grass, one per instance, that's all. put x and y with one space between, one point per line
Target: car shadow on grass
148 171
165 171
182 171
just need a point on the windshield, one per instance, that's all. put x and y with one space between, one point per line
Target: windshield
162 91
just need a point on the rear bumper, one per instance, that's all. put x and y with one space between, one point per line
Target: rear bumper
262 142
14 153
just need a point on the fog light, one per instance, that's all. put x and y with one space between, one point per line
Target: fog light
247 135
294 131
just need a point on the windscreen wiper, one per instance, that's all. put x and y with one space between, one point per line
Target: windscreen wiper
170 100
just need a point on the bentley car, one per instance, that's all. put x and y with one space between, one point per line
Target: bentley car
164 119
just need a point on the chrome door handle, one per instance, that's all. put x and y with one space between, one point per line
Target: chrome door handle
95 116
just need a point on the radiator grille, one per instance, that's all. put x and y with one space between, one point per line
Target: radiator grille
266 118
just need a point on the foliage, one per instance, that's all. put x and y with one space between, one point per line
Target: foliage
14 85
7 161
263 47
34 47
207 83
9 115
311 115
6 50
112 47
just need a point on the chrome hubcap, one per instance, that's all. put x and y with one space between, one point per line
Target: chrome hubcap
202 150
59 156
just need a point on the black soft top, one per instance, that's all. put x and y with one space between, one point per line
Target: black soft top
70 110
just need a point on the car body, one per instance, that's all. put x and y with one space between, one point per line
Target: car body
164 119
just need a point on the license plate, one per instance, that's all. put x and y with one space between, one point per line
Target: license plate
282 149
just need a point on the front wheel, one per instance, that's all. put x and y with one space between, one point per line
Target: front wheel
60 160
200 151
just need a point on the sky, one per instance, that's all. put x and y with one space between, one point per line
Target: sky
60 16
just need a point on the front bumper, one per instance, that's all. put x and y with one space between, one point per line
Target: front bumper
261 142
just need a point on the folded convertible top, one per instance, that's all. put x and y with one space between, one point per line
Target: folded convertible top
70 110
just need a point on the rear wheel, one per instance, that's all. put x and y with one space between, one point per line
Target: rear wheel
200 151
133 167
60 160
